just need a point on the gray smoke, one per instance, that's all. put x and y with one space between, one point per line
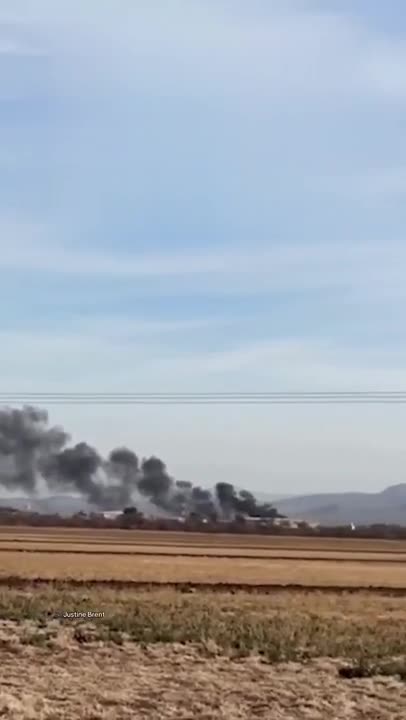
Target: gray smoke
25 443
30 450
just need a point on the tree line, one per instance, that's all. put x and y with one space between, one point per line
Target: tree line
130 518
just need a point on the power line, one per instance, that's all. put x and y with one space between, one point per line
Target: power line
261 393
207 398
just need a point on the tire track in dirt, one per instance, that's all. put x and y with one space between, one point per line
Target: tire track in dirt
16 582
214 556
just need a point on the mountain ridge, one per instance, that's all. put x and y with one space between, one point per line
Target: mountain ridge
387 506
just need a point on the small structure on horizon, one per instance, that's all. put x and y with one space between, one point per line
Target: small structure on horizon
112 514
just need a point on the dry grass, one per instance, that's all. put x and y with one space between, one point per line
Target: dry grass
165 655
106 682
284 626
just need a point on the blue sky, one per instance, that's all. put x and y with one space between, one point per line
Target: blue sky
209 195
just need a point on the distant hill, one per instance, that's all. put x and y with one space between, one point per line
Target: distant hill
64 505
271 497
388 506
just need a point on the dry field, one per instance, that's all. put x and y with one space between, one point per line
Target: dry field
136 556
192 653
176 683
200 540
164 655
173 569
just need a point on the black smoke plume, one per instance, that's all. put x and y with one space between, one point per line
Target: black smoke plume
31 451
234 503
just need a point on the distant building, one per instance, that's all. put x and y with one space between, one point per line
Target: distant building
112 514
285 522
256 521
294 523
8 510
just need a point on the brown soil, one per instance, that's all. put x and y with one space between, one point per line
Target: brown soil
105 682
203 570
192 539
58 547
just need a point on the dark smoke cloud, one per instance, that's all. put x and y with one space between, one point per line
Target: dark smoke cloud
25 442
234 503
31 450
155 482
74 469
184 484
226 497
123 464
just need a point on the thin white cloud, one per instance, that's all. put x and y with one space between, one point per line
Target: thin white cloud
357 267
383 69
289 49
19 40
130 328
45 362
390 182
386 182
13 48
296 364
289 52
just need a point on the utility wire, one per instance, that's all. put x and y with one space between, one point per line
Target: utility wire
206 398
